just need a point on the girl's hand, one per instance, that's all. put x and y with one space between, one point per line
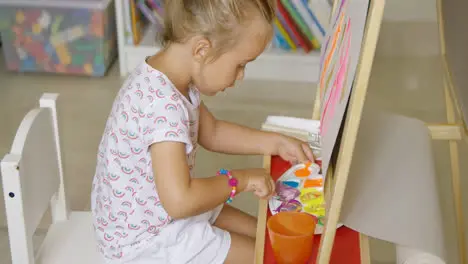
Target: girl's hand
293 150
257 181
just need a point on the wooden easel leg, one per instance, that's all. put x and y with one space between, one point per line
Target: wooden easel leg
364 246
456 183
316 111
261 221
453 147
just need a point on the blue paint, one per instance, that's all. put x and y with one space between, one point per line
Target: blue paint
293 184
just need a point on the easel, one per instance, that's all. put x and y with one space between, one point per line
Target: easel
337 177
454 130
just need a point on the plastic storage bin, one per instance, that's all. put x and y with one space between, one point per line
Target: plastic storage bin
58 36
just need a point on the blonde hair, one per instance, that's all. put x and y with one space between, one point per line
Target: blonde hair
217 20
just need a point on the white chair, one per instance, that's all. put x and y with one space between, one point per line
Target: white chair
32 181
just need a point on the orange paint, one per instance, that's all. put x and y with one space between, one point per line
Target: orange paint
330 55
330 52
301 173
310 183
338 85
330 75
347 66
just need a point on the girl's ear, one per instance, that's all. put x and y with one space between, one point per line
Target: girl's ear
200 49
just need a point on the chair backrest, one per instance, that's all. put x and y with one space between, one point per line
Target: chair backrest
32 177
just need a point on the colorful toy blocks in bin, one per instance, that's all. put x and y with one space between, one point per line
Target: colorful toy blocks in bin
76 37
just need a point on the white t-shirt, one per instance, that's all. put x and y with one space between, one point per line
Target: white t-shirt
126 207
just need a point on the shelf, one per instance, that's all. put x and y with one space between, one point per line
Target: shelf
273 65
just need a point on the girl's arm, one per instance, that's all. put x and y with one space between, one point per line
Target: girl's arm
225 137
181 195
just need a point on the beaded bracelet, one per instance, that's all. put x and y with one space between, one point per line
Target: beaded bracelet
232 182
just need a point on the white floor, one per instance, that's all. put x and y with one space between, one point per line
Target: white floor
408 85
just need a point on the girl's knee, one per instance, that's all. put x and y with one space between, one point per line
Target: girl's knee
242 249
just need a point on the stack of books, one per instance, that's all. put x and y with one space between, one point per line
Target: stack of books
301 24
138 15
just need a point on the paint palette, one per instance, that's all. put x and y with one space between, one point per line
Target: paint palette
301 189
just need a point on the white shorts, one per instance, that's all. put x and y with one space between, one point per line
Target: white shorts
187 241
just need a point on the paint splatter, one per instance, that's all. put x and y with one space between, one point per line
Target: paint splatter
339 83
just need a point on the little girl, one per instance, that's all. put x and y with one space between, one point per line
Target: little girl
148 208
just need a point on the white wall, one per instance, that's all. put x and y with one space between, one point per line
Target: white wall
410 10
409 29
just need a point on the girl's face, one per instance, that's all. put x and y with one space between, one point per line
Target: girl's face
213 77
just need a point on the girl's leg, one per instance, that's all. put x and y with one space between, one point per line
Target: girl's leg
242 249
234 220
243 228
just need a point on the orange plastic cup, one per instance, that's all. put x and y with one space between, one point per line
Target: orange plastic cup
292 236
